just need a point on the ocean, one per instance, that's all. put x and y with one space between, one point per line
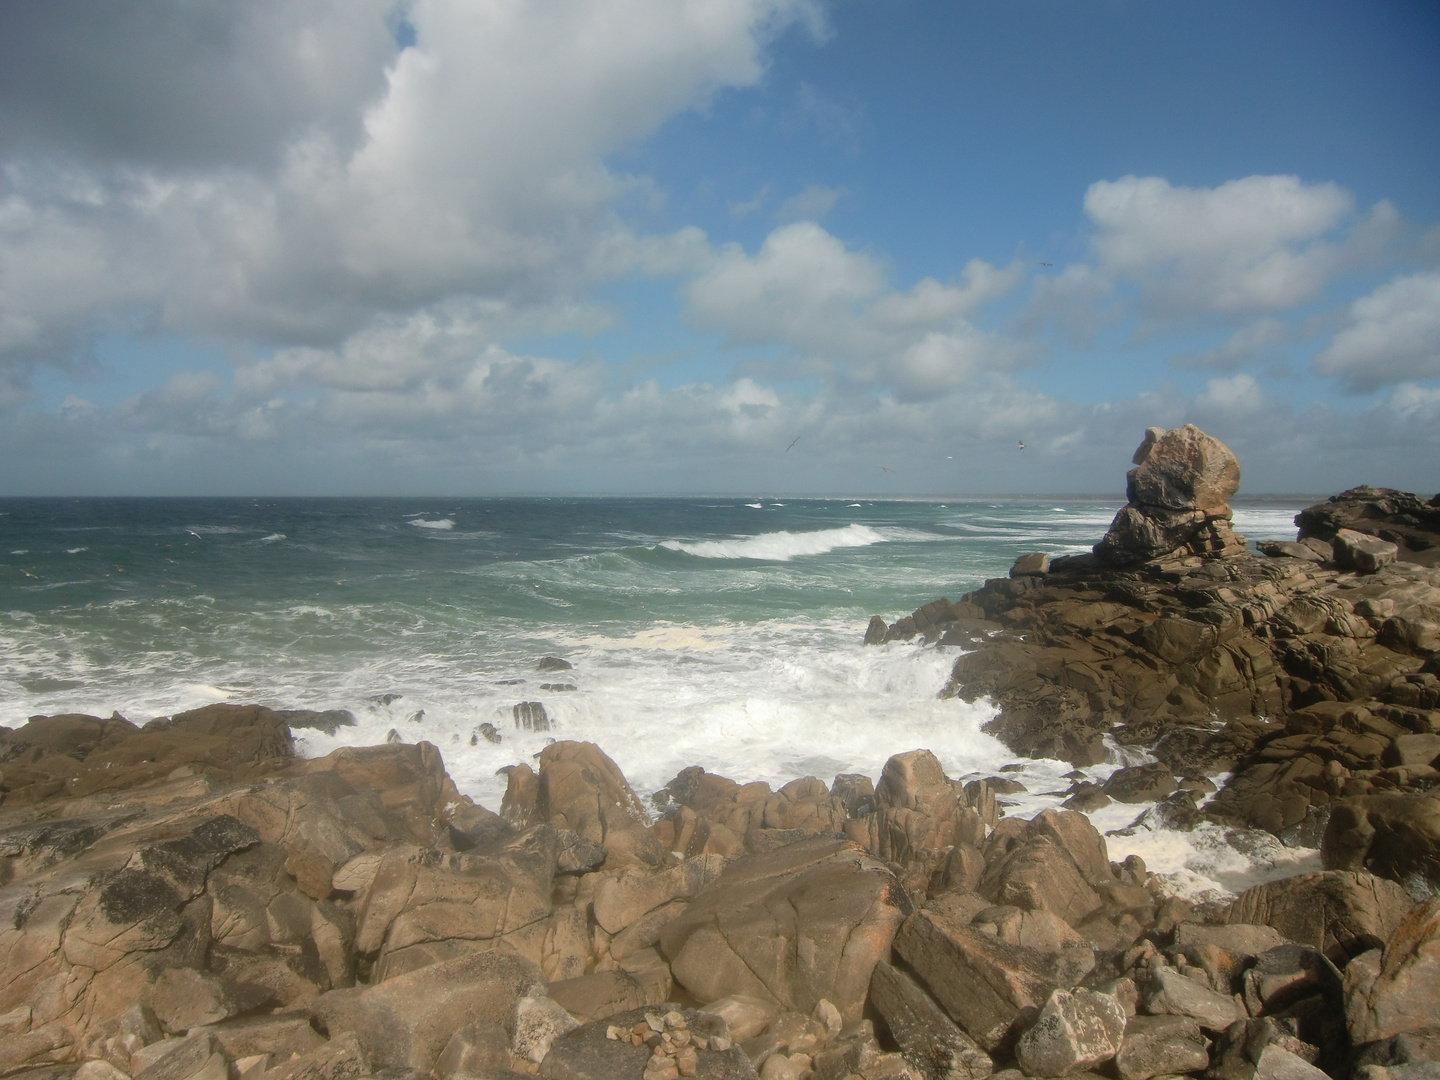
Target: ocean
721 632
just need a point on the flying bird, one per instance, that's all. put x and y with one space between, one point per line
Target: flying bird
1022 446
884 469
792 443
1047 264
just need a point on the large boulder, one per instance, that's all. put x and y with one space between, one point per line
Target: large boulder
1393 834
1397 989
1340 912
803 922
928 1038
984 984
1177 498
1409 522
581 789
1074 1031
407 1021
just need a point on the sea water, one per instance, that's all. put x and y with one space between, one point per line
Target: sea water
720 632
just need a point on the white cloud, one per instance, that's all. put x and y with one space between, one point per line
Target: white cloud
1236 396
468 164
810 204
1394 335
835 309
1242 347
1249 245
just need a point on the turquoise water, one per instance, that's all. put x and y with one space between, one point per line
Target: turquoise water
719 632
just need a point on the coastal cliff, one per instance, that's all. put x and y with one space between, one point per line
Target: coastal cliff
188 900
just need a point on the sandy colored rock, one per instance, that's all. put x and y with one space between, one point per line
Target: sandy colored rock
1338 912
408 1020
1397 989
804 922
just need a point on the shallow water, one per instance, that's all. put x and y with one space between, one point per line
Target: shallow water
719 632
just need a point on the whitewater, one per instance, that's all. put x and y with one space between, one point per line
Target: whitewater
721 632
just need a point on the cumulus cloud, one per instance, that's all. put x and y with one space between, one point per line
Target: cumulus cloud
1248 245
1393 335
468 164
1242 347
834 308
810 204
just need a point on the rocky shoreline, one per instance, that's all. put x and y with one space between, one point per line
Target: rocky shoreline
187 900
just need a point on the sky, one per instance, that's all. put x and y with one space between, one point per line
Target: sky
805 247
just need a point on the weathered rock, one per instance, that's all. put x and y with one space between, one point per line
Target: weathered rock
1411 523
1339 912
982 983
477 1049
1051 863
1361 553
1180 485
581 789
537 1023
1160 1046
804 922
622 898
590 1053
408 1020
928 1039
342 1058
1397 989
1166 992
1074 1031
1392 834
1036 564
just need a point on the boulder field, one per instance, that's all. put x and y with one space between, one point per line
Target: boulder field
187 900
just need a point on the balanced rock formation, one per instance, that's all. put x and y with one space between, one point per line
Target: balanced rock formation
1176 496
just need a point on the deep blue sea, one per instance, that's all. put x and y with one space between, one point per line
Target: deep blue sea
723 632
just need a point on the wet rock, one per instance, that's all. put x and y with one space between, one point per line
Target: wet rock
1140 783
327 720
531 716
1393 834
554 663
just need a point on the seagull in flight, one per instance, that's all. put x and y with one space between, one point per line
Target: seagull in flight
884 469
1047 264
792 443
1022 446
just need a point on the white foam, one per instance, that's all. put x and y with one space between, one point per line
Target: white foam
425 523
272 538
75 550
780 546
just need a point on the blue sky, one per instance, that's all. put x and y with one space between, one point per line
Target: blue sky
466 246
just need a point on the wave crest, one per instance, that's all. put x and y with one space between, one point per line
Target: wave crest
780 546
442 523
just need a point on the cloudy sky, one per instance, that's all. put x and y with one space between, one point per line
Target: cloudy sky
505 246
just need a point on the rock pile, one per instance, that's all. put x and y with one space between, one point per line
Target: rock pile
353 916
1311 671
